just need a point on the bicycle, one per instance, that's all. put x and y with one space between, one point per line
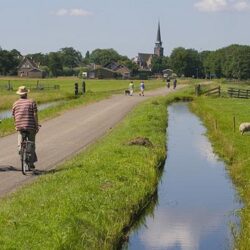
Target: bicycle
27 147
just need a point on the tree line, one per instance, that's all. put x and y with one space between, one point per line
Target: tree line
232 62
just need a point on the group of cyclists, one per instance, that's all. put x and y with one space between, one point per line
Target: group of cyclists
174 83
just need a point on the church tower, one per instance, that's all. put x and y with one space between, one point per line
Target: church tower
158 50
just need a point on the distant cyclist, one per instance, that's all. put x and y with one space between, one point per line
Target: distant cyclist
168 82
24 112
175 83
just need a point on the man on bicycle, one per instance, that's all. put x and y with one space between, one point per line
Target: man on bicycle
24 112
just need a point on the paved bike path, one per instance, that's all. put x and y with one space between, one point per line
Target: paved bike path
65 135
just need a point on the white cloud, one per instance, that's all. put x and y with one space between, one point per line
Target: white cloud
72 12
241 6
211 5
222 5
171 227
61 12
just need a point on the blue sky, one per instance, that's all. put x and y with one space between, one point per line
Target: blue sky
128 26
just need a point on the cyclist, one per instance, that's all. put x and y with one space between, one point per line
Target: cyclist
175 83
168 82
25 116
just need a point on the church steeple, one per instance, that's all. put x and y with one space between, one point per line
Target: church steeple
158 50
158 38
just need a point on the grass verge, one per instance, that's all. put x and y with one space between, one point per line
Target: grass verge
88 202
218 115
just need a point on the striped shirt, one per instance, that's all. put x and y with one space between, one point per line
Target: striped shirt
23 112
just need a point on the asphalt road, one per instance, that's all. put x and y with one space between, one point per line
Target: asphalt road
65 135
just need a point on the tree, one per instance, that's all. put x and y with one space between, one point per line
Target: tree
158 64
39 58
104 56
86 59
9 61
55 63
186 62
71 58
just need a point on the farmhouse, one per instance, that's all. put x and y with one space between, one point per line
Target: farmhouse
119 69
110 70
100 73
28 68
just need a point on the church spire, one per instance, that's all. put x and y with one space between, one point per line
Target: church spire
158 38
158 50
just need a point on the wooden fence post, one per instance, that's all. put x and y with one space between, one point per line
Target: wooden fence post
197 90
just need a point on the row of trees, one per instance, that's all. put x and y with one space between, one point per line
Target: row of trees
67 61
229 62
232 62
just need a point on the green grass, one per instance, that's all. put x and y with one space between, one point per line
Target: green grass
232 147
66 88
96 90
89 201
7 125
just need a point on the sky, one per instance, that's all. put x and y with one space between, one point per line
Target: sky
128 26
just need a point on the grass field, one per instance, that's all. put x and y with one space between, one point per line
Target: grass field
88 202
95 90
218 115
66 90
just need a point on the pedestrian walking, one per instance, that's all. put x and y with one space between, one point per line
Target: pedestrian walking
142 88
131 88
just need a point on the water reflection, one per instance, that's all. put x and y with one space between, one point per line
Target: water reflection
196 198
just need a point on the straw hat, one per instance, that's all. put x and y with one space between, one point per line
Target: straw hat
22 90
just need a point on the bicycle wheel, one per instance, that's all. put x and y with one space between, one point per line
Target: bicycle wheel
25 167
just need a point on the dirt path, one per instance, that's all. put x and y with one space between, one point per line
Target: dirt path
63 136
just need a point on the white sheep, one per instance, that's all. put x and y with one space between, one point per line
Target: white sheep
244 127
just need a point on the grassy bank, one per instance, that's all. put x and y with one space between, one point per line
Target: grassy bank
88 202
218 115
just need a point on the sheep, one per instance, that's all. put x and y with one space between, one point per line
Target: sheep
244 127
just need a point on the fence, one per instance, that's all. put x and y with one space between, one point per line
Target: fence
44 87
239 93
214 91
37 87
8 86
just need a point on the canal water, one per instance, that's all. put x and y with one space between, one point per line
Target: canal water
8 114
196 200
